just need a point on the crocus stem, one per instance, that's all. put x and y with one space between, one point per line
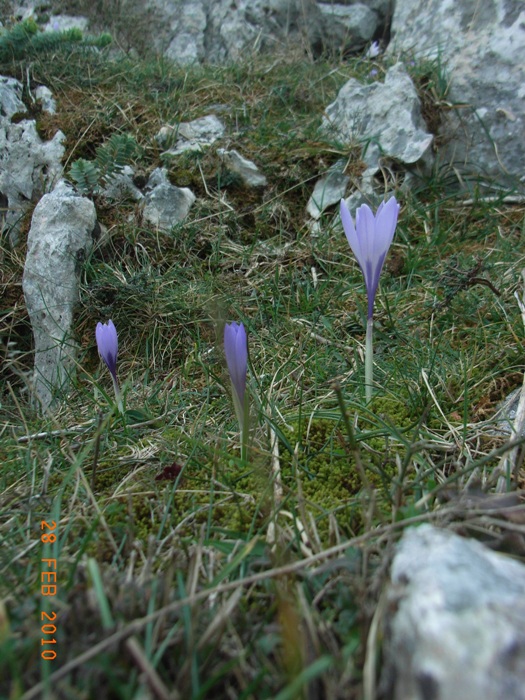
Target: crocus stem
369 358
245 431
118 395
245 427
243 417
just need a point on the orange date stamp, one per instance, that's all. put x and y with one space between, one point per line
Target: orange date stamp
48 589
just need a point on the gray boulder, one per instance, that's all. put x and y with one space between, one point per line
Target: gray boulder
384 119
61 237
482 46
28 165
456 621
188 27
218 30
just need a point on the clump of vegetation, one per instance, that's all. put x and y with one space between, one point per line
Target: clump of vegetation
110 159
24 40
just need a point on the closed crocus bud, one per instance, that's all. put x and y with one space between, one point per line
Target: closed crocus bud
107 343
236 351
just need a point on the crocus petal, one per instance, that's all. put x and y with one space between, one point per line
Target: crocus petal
365 227
386 222
236 351
107 343
349 229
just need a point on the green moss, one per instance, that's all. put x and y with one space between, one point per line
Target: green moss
326 472
393 411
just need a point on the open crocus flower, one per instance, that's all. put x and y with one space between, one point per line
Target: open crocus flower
370 240
107 343
373 50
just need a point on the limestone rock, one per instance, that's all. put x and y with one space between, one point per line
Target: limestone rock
347 27
120 186
386 117
219 30
44 95
385 120
61 23
329 190
456 621
482 49
166 205
60 238
187 45
28 165
192 136
246 169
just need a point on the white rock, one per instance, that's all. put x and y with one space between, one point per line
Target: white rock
195 135
159 176
456 626
10 97
165 204
220 30
28 165
187 45
60 238
481 47
44 95
329 190
246 169
61 23
121 186
347 26
385 119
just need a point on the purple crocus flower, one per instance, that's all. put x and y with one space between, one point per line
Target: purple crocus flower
370 240
236 351
107 343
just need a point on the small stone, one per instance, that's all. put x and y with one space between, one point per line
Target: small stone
329 190
166 205
44 95
120 186
193 136
246 169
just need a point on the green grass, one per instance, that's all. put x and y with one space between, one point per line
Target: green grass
180 566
